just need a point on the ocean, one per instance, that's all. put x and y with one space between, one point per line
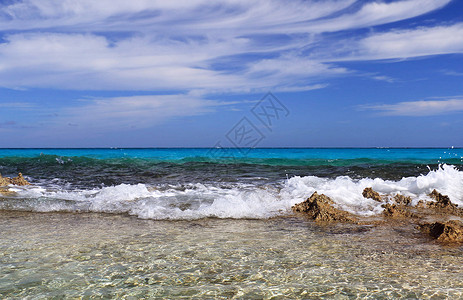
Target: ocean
216 223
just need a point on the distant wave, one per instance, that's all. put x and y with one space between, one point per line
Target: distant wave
53 160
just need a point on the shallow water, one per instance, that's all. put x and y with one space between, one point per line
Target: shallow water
56 255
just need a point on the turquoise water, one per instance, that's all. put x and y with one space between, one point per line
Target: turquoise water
279 155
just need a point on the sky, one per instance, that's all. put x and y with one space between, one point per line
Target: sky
253 73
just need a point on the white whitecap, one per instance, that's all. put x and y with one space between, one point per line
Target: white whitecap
197 200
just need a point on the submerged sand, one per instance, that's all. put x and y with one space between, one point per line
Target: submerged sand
114 256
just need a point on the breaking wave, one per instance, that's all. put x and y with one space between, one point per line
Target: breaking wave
227 199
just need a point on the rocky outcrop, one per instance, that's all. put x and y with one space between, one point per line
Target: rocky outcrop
369 193
19 180
421 204
446 232
400 209
402 200
442 202
320 208
4 180
397 211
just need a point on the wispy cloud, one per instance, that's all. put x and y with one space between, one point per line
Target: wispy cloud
193 16
412 43
224 17
418 108
16 104
179 46
384 78
451 73
376 13
125 113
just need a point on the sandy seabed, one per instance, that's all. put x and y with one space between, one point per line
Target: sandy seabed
68 255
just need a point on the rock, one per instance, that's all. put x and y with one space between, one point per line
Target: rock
320 208
442 201
402 200
5 191
19 180
4 180
447 232
371 194
421 204
443 205
397 211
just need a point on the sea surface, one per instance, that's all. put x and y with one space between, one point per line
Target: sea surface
217 223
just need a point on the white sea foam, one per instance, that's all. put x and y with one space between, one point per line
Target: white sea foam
195 201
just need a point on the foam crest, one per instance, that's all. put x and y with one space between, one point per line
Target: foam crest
347 193
238 200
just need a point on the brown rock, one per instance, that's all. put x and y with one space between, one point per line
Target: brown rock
443 205
320 208
402 200
19 180
447 232
397 211
5 191
4 180
421 204
371 194
442 201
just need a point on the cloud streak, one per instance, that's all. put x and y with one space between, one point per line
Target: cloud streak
376 13
179 45
126 113
418 108
414 43
16 105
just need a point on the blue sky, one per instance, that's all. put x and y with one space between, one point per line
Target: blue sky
117 73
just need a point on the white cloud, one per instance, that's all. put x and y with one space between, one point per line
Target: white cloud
197 16
125 113
81 61
418 108
413 43
376 13
451 73
384 78
395 44
178 45
88 62
176 15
